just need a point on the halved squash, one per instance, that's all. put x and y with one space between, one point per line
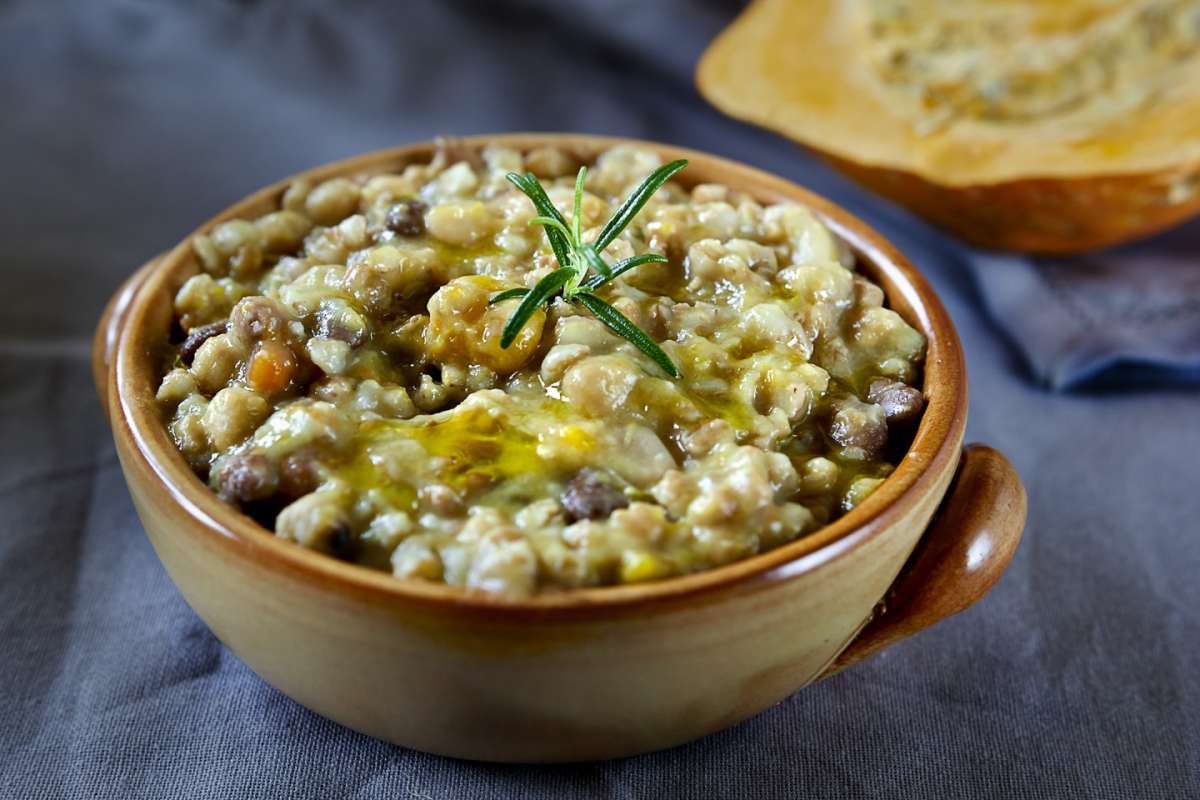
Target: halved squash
1035 125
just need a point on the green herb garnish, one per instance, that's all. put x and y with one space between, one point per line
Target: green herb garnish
581 269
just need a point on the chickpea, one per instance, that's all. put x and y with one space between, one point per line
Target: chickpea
600 385
282 231
550 162
232 415
216 361
229 237
295 195
460 223
332 201
465 329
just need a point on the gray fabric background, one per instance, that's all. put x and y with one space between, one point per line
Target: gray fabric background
1127 315
124 123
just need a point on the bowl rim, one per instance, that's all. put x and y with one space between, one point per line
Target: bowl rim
135 417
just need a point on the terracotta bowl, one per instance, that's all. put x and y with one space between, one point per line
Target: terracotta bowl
594 673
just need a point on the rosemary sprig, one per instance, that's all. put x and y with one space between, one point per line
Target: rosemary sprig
581 269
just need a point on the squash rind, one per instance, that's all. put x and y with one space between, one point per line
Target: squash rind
1043 215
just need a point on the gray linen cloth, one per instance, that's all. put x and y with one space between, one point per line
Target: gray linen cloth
125 123
1117 318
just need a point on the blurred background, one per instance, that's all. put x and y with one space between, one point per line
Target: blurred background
128 123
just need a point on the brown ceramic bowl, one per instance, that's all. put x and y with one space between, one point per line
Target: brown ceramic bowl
593 673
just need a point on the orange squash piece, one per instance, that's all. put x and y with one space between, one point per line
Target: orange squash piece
1034 125
271 368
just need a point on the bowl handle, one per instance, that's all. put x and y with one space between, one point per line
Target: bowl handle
966 548
108 329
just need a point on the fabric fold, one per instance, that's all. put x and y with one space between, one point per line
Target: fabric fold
1116 318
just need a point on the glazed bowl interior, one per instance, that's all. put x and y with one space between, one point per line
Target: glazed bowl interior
145 339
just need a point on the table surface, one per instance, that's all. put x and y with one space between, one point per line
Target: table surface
127 122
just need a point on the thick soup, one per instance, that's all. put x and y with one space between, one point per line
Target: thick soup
339 377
